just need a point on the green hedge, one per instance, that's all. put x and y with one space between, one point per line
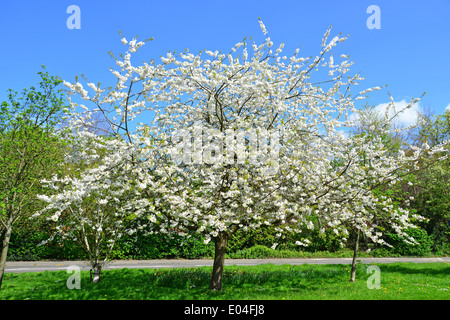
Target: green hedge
25 245
399 246
162 246
256 243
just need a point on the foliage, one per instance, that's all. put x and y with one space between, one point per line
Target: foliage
268 236
29 242
30 150
428 188
161 246
422 248
263 252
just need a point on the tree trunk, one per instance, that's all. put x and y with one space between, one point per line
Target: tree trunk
5 249
355 255
96 274
219 258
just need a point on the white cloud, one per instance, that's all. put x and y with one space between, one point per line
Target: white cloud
447 108
406 118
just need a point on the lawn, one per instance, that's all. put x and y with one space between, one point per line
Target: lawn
405 281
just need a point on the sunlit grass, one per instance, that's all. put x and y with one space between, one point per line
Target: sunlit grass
263 282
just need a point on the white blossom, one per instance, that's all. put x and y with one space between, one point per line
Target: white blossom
204 163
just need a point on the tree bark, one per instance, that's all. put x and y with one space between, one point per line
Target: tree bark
355 255
5 248
96 274
219 258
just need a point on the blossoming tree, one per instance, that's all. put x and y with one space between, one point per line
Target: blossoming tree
98 201
246 139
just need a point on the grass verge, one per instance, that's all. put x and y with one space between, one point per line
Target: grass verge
405 281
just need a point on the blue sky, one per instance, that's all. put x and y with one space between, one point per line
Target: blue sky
410 53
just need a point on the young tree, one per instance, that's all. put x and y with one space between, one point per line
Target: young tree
29 150
249 138
410 159
99 200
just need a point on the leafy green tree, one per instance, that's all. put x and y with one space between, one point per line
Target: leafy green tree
431 196
424 189
29 150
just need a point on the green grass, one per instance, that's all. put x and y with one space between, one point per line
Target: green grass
263 282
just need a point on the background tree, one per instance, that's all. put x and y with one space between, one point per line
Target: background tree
30 150
407 191
430 195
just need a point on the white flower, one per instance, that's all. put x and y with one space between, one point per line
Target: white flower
263 27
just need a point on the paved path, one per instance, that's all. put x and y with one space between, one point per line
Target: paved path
37 266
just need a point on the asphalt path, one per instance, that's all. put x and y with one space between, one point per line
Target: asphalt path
39 266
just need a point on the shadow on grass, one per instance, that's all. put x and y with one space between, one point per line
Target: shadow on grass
435 269
259 282
256 282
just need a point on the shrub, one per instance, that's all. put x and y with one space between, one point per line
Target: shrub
403 248
161 246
